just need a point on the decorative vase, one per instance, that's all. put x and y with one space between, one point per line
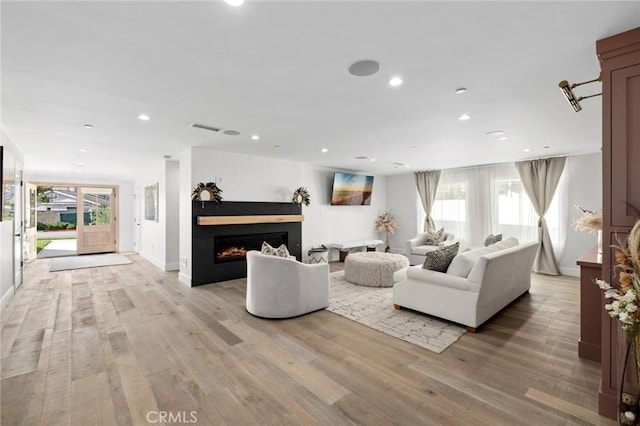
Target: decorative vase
599 241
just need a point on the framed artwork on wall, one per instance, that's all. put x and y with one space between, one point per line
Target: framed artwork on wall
151 202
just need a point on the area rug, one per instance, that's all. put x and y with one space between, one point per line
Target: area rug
87 261
373 307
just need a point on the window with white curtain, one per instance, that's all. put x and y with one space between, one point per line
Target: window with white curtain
474 202
449 208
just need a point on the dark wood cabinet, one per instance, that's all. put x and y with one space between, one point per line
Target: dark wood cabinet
591 306
619 57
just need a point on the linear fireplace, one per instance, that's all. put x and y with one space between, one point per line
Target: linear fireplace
222 233
234 248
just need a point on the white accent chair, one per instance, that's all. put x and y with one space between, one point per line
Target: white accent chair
278 287
417 249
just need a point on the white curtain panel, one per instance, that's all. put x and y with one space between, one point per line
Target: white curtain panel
490 201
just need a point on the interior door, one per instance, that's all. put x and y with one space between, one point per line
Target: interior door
18 224
96 220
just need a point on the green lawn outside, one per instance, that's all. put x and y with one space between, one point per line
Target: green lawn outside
41 243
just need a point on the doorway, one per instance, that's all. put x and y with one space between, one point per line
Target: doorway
74 220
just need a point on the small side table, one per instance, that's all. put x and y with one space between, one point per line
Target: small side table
591 306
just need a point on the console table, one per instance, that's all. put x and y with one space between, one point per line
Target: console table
591 305
344 247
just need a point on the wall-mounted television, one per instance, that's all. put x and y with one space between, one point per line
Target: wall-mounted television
351 189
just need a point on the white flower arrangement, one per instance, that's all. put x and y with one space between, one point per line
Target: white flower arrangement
624 306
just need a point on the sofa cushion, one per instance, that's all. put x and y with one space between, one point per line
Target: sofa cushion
434 238
462 264
439 260
508 243
492 239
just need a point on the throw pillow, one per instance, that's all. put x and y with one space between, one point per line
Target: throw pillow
434 238
282 251
492 239
439 260
267 249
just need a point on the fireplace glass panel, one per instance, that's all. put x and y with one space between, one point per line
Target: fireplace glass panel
233 248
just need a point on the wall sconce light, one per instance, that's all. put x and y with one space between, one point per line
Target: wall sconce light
567 91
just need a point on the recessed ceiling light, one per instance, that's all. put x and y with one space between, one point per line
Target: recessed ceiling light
461 90
231 132
143 117
80 165
503 138
82 150
413 147
372 159
407 165
526 150
361 157
464 117
255 137
324 150
88 126
495 133
234 3
546 147
166 157
395 81
364 68
276 146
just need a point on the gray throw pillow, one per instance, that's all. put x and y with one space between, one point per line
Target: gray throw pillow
439 260
492 239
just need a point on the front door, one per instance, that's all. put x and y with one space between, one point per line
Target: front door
96 220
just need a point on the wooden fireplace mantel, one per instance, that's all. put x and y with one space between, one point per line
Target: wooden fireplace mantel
242 220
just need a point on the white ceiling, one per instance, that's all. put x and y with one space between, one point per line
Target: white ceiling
279 69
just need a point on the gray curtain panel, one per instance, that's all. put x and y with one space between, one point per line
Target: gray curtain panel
540 179
427 183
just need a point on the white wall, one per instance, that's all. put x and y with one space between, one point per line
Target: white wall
159 240
185 222
126 199
585 189
324 223
403 201
173 215
249 178
7 229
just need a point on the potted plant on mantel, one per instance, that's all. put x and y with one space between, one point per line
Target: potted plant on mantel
387 223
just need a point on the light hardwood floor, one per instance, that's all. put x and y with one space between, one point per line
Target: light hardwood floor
121 345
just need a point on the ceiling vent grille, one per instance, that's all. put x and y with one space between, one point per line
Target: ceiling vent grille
204 127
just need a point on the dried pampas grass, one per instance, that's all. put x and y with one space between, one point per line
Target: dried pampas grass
590 221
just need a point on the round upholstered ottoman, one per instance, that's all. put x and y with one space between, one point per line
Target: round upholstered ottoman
373 269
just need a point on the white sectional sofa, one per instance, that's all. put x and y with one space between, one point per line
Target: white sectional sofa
477 284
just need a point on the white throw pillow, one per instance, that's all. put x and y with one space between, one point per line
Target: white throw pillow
462 264
508 243
434 238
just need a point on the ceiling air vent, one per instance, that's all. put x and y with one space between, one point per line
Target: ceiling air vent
204 127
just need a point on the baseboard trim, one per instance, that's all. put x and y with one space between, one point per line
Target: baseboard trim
154 262
184 278
6 298
172 266
570 272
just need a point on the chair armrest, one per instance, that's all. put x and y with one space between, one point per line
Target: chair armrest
418 240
